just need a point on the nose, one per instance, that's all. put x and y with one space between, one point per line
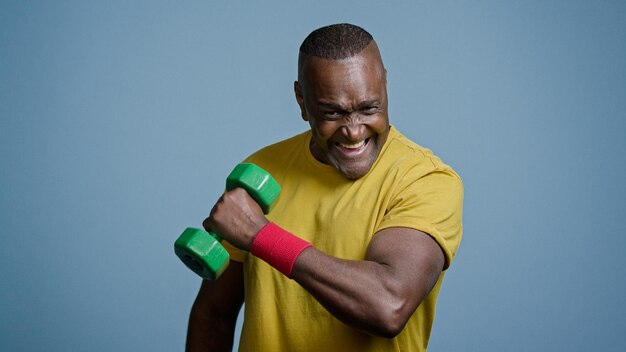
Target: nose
353 130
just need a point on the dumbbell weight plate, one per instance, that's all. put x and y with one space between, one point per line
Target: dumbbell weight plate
202 253
259 184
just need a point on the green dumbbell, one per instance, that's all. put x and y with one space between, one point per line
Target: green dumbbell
201 251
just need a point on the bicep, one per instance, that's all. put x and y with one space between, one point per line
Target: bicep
413 262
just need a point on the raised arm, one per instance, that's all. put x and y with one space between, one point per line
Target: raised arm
377 295
214 312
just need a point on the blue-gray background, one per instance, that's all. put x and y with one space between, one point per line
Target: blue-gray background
120 120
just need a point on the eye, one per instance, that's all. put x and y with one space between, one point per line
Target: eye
332 115
371 110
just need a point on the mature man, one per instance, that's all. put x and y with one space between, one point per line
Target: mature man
352 256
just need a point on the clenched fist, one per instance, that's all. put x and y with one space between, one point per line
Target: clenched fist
237 218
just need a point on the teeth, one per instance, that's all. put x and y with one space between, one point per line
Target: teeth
353 146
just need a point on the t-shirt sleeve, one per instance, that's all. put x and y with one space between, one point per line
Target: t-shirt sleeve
432 203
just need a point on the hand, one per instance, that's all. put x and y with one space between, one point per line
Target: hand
237 218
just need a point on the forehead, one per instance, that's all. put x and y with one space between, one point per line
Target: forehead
362 74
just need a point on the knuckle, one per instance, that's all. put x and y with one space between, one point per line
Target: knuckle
239 191
207 223
228 196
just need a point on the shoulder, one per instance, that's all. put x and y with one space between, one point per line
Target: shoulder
411 161
425 194
275 155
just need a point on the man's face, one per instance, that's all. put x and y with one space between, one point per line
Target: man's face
345 102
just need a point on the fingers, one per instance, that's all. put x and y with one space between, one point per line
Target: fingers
207 222
236 217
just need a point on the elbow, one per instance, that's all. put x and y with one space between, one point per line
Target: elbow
392 318
389 331
391 327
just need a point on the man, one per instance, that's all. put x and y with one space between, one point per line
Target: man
352 256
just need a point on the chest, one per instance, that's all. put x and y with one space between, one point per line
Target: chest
339 219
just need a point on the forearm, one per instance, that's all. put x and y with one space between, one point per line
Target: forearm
362 294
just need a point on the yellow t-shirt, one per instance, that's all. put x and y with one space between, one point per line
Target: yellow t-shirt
407 187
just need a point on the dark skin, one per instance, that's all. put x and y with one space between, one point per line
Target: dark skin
345 103
214 313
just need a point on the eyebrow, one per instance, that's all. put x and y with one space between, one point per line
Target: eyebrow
330 106
368 103
335 106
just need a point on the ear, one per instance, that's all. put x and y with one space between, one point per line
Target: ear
300 100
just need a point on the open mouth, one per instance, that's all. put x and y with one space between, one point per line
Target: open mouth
352 148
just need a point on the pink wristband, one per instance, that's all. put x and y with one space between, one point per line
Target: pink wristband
278 248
